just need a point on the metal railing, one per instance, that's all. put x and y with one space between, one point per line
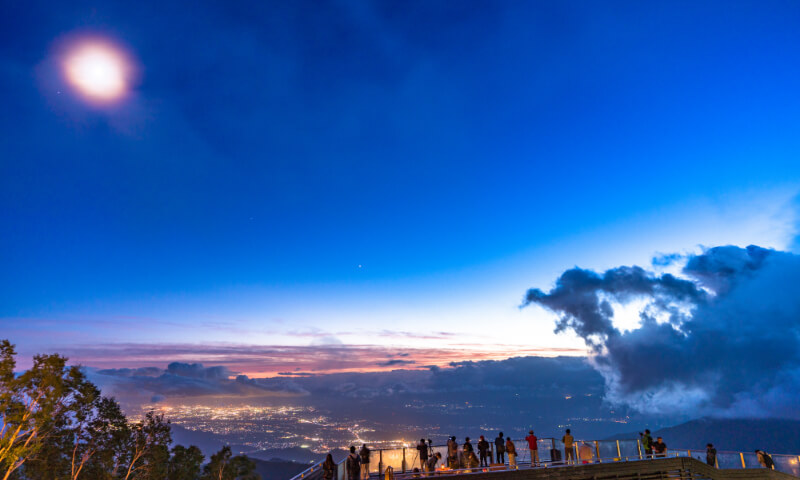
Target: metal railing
405 461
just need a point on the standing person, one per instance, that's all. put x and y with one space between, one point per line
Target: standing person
353 465
328 468
647 442
452 453
764 459
500 448
364 454
422 448
711 455
483 451
660 447
511 449
533 446
569 450
468 452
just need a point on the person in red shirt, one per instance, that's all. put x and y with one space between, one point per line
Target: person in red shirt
533 446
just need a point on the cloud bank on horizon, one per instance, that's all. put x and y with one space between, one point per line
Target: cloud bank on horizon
721 338
553 376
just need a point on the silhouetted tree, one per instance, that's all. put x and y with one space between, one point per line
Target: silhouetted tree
186 463
56 425
145 447
223 466
35 405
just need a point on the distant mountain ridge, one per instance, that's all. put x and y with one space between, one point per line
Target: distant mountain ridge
741 435
274 470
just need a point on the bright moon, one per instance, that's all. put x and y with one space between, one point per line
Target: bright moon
98 71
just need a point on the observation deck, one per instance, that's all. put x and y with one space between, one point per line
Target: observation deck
609 459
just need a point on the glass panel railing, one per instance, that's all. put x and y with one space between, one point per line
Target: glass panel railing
699 455
607 449
412 459
729 460
523 454
406 460
545 445
629 448
750 460
787 464
392 458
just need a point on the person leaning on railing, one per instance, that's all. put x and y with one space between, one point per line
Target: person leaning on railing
764 459
660 447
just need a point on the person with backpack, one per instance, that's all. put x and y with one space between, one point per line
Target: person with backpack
533 446
511 449
647 442
422 448
711 455
765 459
500 448
483 451
569 449
353 465
328 468
364 454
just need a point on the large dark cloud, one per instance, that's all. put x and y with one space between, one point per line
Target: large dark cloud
725 339
134 387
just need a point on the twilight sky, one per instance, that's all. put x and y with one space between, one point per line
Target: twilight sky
385 178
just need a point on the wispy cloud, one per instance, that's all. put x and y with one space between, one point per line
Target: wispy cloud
272 360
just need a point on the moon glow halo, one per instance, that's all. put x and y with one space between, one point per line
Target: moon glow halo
98 71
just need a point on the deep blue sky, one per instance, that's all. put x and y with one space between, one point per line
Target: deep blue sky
267 149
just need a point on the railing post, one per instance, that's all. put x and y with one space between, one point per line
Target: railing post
380 462
741 455
639 447
404 459
619 452
597 450
575 453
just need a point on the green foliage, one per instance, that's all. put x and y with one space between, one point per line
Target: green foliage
185 463
56 425
223 466
35 405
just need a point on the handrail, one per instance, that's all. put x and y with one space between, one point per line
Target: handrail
308 471
404 470
603 451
